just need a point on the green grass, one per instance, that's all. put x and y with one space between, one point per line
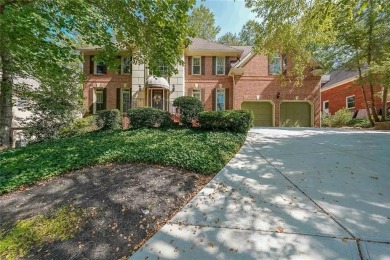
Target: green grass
201 151
34 232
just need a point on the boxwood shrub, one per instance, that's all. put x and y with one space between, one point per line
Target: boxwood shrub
149 117
109 119
189 107
239 121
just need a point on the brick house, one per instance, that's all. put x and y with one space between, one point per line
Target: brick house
222 77
342 91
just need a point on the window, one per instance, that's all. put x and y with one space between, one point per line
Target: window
126 65
220 99
100 67
163 69
125 100
99 101
350 102
220 65
277 65
325 107
197 94
196 63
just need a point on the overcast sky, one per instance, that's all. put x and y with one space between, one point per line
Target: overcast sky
230 15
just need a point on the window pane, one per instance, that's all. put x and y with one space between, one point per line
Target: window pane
351 102
275 65
126 99
326 105
196 66
100 67
196 94
220 99
99 100
220 61
126 65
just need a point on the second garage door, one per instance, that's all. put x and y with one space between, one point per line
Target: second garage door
295 114
262 111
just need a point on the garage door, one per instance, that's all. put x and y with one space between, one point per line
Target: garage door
262 112
295 114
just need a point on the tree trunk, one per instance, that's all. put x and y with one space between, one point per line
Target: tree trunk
367 107
384 101
372 100
6 101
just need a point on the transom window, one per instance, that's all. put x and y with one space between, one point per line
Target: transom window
196 94
350 102
220 65
99 101
196 63
126 65
126 100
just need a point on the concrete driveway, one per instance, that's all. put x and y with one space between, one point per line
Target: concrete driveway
289 194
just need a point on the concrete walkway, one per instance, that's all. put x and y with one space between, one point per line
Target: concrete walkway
289 194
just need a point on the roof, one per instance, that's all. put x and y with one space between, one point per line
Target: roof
202 47
157 81
247 49
337 77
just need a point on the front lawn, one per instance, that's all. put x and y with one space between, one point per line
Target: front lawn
200 151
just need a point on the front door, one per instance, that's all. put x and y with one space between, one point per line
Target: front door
157 99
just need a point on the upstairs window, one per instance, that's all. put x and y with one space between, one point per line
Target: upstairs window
126 65
196 65
277 65
163 69
350 102
100 67
220 65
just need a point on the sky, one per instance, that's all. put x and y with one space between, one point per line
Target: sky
230 15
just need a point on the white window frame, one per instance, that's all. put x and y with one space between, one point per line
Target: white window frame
197 91
124 90
95 99
200 65
216 65
223 90
123 67
280 59
325 110
346 102
95 63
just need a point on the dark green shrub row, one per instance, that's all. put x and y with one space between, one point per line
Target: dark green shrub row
149 117
359 122
109 119
189 107
239 121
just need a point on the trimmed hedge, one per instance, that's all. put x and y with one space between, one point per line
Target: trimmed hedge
189 107
239 121
149 117
109 119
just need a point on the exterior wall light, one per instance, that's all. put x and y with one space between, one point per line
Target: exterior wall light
139 88
278 95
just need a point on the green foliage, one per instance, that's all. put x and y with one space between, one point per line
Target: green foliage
202 23
239 121
79 126
189 107
109 119
247 35
359 122
230 39
192 149
339 119
34 232
149 117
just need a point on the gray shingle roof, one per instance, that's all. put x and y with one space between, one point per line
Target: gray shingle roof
337 76
202 44
246 49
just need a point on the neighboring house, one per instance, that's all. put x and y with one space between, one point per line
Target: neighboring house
222 77
342 91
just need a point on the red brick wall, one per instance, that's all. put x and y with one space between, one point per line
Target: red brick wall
256 82
110 81
337 97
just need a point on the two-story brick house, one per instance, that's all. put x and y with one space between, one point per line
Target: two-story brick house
222 77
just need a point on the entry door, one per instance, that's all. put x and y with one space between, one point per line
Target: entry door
157 99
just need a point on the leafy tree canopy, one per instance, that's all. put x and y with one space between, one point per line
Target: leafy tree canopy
230 39
202 23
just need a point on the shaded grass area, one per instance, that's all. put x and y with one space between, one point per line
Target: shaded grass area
200 151
35 231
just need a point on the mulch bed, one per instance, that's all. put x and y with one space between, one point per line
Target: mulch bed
125 205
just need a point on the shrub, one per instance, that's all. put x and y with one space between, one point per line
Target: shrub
239 121
340 118
79 126
359 122
149 117
109 119
189 107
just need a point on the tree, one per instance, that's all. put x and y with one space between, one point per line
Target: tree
202 23
229 39
38 37
346 34
247 34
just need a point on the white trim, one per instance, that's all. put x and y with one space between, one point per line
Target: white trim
325 110
340 83
216 64
245 59
94 99
200 65
346 102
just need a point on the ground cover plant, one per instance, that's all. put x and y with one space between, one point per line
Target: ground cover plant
196 150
